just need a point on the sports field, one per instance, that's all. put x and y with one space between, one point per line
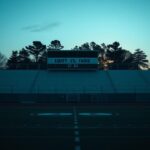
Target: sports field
75 127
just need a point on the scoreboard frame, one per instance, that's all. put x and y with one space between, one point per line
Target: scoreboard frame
72 60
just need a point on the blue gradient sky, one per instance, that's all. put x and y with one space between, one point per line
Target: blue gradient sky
74 22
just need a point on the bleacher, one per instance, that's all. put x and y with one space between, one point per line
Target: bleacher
27 85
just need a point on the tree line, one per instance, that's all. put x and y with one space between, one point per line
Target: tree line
111 56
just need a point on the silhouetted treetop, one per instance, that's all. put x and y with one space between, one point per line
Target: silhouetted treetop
114 47
13 60
36 50
139 60
76 48
55 45
3 61
111 56
121 58
85 46
24 56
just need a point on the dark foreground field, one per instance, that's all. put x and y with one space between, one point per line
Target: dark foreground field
75 127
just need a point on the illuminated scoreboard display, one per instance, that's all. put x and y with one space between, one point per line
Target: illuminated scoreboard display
72 60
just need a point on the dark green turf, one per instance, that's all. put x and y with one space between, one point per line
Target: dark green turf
128 128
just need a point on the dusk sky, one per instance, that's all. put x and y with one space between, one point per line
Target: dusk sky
74 22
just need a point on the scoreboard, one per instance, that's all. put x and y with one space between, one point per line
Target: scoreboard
72 60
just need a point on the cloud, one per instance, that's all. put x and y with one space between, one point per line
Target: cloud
41 28
30 27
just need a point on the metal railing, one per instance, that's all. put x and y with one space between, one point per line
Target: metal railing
101 89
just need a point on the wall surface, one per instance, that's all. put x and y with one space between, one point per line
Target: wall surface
47 82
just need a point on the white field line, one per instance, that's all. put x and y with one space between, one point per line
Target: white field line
76 131
54 114
95 114
70 114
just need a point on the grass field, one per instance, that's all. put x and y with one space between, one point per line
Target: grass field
75 127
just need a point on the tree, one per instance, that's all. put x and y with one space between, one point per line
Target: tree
121 58
76 48
43 60
96 47
36 50
113 51
24 60
3 61
139 60
24 56
55 45
103 61
85 47
101 54
12 62
115 46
